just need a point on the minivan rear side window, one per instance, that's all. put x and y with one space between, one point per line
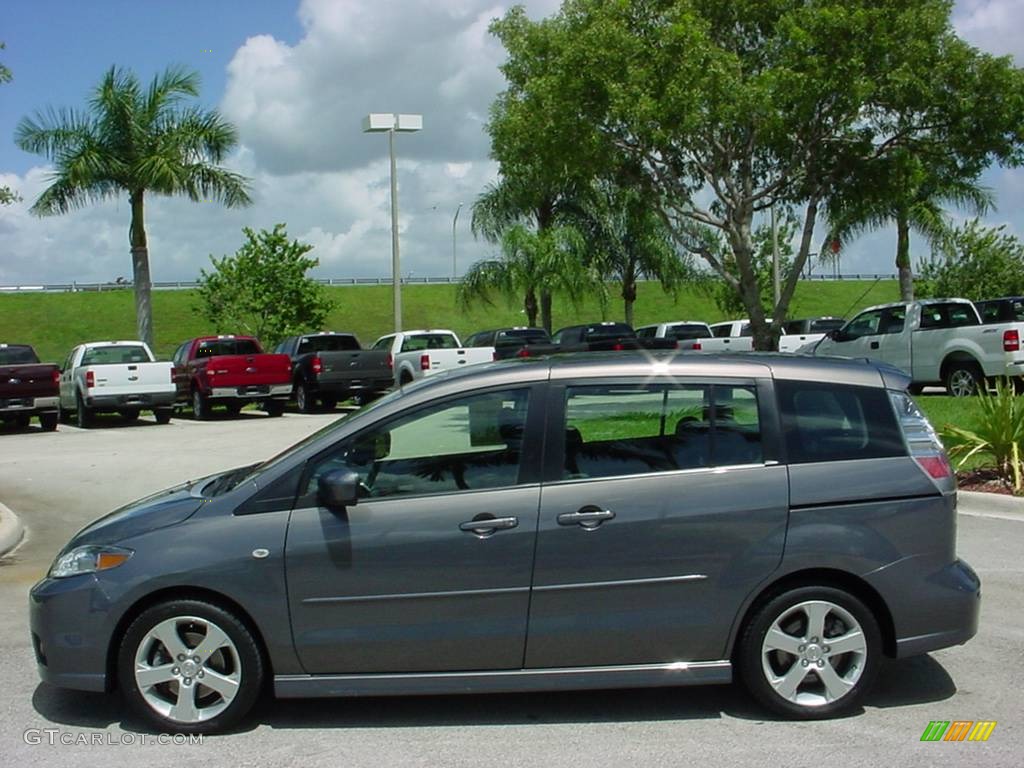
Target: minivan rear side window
830 422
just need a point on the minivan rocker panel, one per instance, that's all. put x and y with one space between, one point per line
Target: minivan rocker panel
567 523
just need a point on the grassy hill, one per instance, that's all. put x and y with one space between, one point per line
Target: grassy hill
54 322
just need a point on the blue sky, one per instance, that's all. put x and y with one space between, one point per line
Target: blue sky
296 78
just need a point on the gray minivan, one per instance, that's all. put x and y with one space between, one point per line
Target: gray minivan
592 521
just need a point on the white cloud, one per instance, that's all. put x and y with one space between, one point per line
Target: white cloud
298 108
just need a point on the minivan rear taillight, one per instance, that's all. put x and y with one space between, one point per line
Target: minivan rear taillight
90 379
1011 340
924 445
424 362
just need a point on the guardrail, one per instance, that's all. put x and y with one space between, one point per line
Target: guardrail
177 285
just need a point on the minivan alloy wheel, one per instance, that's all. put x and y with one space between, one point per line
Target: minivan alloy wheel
190 666
814 653
187 669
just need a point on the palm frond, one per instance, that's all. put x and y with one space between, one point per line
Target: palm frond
52 132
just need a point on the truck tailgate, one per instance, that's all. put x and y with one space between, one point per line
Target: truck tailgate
248 370
351 365
29 380
447 359
131 378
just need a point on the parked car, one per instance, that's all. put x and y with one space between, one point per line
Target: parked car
797 334
730 336
605 336
328 367
938 341
689 333
418 354
1009 309
574 522
121 376
231 371
509 342
27 387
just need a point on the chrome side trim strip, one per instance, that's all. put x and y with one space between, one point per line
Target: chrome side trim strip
622 583
417 595
505 681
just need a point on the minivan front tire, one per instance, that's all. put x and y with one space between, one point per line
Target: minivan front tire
188 666
810 653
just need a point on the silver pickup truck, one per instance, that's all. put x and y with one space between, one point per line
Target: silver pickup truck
121 376
937 342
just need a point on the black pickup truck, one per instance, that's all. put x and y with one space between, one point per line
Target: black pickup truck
509 342
596 337
329 367
27 387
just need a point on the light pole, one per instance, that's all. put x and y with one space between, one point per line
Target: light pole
455 221
390 124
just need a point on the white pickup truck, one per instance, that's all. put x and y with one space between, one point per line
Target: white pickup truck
939 341
416 354
729 336
797 334
120 376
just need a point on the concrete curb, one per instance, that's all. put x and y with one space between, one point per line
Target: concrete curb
991 505
11 530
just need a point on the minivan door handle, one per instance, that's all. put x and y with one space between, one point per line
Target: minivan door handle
486 524
587 517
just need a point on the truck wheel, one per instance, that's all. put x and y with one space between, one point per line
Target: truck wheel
83 416
48 421
200 406
810 652
303 401
188 666
163 415
964 380
273 407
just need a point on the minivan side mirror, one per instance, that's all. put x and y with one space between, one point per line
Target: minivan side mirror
338 489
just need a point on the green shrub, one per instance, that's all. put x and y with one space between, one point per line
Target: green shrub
998 435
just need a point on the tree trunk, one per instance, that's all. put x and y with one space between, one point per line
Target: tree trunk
140 270
906 274
530 305
629 298
545 309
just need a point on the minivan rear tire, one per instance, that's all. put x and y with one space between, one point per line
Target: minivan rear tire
788 616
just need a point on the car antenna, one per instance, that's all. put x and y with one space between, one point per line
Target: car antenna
859 298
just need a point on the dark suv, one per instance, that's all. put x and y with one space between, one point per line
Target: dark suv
579 522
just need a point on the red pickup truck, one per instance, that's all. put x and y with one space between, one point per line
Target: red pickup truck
27 387
230 371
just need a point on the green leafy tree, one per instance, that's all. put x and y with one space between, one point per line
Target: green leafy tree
531 264
627 241
729 108
264 289
7 195
135 141
908 190
974 262
726 299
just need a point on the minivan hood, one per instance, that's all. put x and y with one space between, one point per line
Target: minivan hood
162 509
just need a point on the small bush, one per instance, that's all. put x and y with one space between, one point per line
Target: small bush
998 436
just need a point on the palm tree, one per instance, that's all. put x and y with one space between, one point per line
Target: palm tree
133 140
911 194
627 241
521 200
531 264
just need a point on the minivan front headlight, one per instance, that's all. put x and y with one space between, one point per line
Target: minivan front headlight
88 559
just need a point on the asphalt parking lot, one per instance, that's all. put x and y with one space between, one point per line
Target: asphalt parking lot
58 482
